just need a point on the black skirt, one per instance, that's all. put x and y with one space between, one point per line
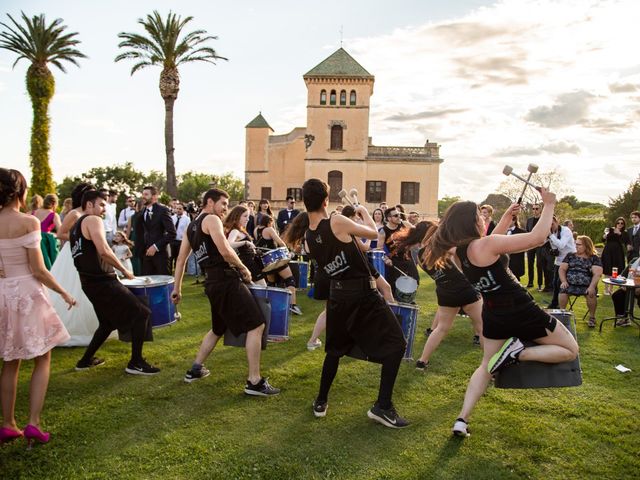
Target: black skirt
449 297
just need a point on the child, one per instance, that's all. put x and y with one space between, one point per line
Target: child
121 249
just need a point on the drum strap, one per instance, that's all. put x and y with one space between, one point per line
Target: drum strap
364 259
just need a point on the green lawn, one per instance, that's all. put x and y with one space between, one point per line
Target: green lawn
106 424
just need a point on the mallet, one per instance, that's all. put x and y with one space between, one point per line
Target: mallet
507 170
343 195
532 168
353 193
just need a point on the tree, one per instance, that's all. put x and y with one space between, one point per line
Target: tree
41 44
162 47
625 203
192 185
445 203
552 180
230 184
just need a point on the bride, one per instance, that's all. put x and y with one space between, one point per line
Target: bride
81 322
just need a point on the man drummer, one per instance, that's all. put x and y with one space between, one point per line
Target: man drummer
357 316
232 305
116 307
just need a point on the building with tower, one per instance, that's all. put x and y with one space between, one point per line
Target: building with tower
335 146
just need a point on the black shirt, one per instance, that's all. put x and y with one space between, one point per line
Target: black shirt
447 277
206 252
338 260
85 254
263 242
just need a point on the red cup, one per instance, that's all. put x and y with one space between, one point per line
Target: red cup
614 272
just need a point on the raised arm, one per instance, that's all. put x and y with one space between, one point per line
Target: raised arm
343 228
506 219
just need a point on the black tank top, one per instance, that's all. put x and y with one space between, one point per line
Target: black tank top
84 253
447 277
387 235
493 281
206 252
338 260
263 242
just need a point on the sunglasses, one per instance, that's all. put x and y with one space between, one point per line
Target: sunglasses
395 215
535 209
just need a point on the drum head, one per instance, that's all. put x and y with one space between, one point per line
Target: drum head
406 284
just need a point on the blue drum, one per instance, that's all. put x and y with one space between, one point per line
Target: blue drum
300 272
274 259
157 291
280 300
376 257
407 316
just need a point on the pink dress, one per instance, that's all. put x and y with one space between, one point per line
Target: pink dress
29 326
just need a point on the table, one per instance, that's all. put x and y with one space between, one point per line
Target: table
629 300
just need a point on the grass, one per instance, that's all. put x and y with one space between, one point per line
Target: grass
106 424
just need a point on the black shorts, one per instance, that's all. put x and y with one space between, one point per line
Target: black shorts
232 305
362 318
114 304
457 298
526 323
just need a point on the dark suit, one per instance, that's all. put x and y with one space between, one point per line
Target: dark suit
156 229
285 218
516 260
634 241
532 266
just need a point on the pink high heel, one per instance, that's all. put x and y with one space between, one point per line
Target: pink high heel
8 435
33 433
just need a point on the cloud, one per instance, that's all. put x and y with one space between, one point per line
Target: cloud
405 117
554 148
466 33
606 125
569 109
623 87
506 70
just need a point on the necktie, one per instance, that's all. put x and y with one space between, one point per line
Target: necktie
635 229
177 222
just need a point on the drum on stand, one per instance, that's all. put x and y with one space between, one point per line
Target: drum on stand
157 291
280 300
377 259
300 271
274 259
407 316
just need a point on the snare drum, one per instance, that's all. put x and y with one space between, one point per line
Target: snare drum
280 300
157 289
407 316
300 272
406 288
274 259
377 259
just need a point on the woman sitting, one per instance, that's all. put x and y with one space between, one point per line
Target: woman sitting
579 275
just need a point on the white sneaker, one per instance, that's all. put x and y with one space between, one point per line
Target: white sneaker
311 346
295 309
460 428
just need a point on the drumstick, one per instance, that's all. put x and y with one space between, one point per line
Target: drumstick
400 271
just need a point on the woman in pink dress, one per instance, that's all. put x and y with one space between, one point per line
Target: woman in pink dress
29 326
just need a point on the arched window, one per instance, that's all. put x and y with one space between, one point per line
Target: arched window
343 97
352 98
323 97
332 98
336 137
335 185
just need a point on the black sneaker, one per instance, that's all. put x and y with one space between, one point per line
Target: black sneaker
529 285
141 368
295 309
461 428
261 389
319 409
507 355
388 418
193 375
428 331
94 362
420 365
476 339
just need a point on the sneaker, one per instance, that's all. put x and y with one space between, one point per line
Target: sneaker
388 418
295 309
592 323
141 368
311 346
193 375
476 339
623 322
529 285
428 331
539 288
319 409
422 366
261 389
461 428
507 355
94 362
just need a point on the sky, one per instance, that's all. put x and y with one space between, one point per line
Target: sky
555 83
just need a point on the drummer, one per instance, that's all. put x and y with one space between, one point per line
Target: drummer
395 259
267 239
400 244
357 316
115 305
232 305
235 228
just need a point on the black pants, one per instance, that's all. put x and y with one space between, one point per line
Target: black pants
388 374
545 264
533 267
619 297
556 287
138 332
156 265
175 250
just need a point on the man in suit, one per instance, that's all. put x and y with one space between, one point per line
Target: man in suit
531 254
633 248
155 232
286 215
181 221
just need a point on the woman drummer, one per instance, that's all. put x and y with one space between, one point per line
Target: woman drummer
267 239
235 228
509 313
453 292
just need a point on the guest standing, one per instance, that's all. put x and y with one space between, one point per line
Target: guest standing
49 221
613 254
286 215
181 221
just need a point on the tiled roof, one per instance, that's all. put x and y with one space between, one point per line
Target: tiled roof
258 122
338 64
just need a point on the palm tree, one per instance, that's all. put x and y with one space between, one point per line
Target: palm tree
163 47
40 44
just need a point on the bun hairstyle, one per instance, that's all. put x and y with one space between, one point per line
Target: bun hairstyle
12 186
77 193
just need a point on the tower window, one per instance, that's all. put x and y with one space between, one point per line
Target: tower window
323 97
343 97
409 192
376 191
335 185
336 137
352 97
332 98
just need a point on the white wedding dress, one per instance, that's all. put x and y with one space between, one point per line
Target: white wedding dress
81 321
